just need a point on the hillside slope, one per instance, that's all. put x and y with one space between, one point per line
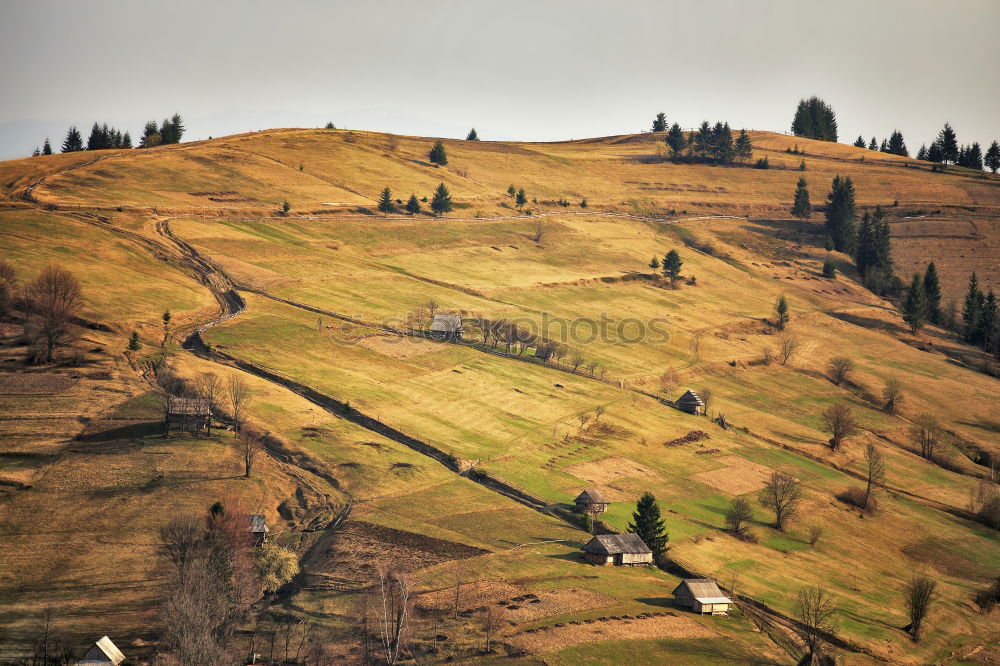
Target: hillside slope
458 453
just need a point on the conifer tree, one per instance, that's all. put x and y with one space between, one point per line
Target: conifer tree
840 214
864 245
648 524
676 140
815 119
722 144
441 203
654 263
385 204
915 306
744 147
177 128
884 148
437 154
472 135
883 241
672 265
992 160
932 293
859 142
801 208
126 141
660 122
972 309
150 135
897 146
934 153
511 190
36 152
96 139
974 157
987 326
948 143
703 139
922 153
47 148
413 204
873 144
521 198
73 142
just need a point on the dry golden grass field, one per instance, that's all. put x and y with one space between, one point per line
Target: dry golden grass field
456 457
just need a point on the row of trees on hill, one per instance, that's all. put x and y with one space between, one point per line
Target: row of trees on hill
945 149
980 322
105 137
440 202
714 143
815 119
894 145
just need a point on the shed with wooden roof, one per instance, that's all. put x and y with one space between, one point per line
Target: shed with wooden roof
590 501
189 414
103 652
702 595
620 550
446 326
258 528
690 403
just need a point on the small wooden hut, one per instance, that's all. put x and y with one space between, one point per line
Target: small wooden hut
189 414
690 403
258 528
103 652
702 595
446 326
590 501
620 550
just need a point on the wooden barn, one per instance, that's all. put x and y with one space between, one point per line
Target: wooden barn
690 403
189 414
446 327
590 501
620 550
258 528
702 595
103 653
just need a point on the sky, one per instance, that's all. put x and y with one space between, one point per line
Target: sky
533 70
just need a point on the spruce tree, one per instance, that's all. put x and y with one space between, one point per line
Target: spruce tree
971 309
801 207
884 148
840 214
511 190
660 122
948 143
47 148
934 153
676 140
864 245
413 205
166 132
441 203
859 142
992 160
96 139
873 144
521 198
648 524
974 157
932 292
703 139
472 135
744 147
654 263
73 142
915 305
126 141
37 152
815 119
897 146
987 327
672 265
437 154
134 343
723 143
922 153
883 241
177 128
385 204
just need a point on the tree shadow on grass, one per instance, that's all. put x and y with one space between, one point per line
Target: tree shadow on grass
132 431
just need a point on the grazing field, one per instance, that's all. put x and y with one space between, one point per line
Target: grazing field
459 459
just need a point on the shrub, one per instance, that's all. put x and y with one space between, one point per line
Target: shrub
855 497
762 164
829 268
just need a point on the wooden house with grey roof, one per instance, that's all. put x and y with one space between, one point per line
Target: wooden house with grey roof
189 415
590 501
258 529
702 595
446 326
103 652
690 403
620 550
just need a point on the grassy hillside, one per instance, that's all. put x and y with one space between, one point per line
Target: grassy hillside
328 292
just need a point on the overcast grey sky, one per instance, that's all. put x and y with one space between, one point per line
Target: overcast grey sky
529 70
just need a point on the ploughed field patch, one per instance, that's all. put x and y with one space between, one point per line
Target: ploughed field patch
643 627
739 475
350 557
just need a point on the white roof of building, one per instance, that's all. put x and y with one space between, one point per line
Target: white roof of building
713 600
103 652
446 323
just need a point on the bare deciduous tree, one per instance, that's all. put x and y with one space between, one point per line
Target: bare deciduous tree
840 367
705 394
919 594
815 610
432 306
815 534
181 538
789 346
738 514
781 494
8 285
926 432
239 400
492 618
393 142
208 386
875 475
576 360
839 420
539 231
583 418
248 443
767 355
695 343
393 589
669 380
599 411
52 301
892 396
